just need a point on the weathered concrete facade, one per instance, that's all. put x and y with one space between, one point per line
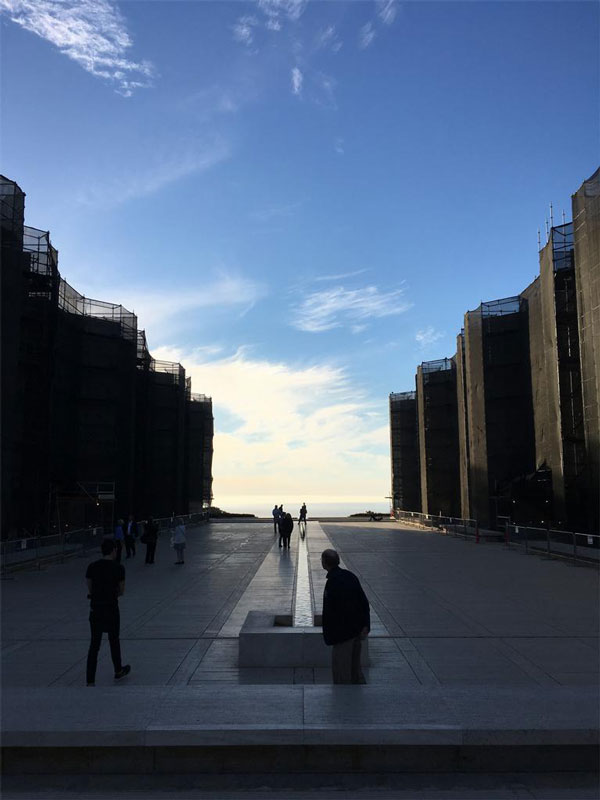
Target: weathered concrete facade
527 382
556 378
463 427
404 447
586 225
437 415
499 405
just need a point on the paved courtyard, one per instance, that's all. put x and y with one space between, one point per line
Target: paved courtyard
446 611
469 644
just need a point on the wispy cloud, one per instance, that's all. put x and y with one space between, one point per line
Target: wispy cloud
339 307
275 212
243 30
147 175
366 36
428 336
270 15
386 11
282 428
90 32
226 291
276 10
328 39
341 275
297 79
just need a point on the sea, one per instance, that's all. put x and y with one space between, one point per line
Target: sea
316 509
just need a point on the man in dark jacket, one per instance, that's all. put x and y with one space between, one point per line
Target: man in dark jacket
346 619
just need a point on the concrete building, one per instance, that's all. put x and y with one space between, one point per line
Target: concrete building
92 426
499 407
463 427
586 236
556 381
437 415
404 448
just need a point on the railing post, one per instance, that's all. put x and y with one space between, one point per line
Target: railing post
526 542
476 531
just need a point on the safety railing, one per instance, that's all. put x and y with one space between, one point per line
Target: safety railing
35 550
554 543
455 526
32 551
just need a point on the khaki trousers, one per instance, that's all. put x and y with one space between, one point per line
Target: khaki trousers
345 661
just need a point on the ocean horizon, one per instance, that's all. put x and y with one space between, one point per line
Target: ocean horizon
315 510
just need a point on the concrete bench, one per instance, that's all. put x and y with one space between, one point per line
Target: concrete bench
268 639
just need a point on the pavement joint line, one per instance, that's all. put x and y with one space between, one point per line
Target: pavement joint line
150 613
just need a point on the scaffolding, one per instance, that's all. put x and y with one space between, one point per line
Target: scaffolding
406 492
502 307
71 301
88 403
437 414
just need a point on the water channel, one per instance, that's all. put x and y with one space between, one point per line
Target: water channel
303 610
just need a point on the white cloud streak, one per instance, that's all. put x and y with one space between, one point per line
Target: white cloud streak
386 11
428 336
327 39
366 36
297 79
339 307
90 32
282 429
153 173
340 276
154 309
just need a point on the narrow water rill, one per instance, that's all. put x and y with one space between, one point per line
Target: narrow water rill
303 610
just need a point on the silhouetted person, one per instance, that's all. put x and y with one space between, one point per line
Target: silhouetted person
286 526
119 538
275 513
302 520
346 619
150 537
130 536
178 540
106 583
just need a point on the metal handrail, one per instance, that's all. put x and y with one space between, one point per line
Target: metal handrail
32 550
528 537
456 526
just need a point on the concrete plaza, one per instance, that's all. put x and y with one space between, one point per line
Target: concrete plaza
482 660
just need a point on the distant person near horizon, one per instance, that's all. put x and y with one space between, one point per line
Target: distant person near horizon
286 526
275 513
302 521
346 619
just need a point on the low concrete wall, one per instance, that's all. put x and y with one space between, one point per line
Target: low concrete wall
268 639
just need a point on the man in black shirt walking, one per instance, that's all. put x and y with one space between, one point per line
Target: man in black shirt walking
346 619
106 583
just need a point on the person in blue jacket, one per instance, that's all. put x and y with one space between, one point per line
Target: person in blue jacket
346 619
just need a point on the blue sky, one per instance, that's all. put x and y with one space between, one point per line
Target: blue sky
300 200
